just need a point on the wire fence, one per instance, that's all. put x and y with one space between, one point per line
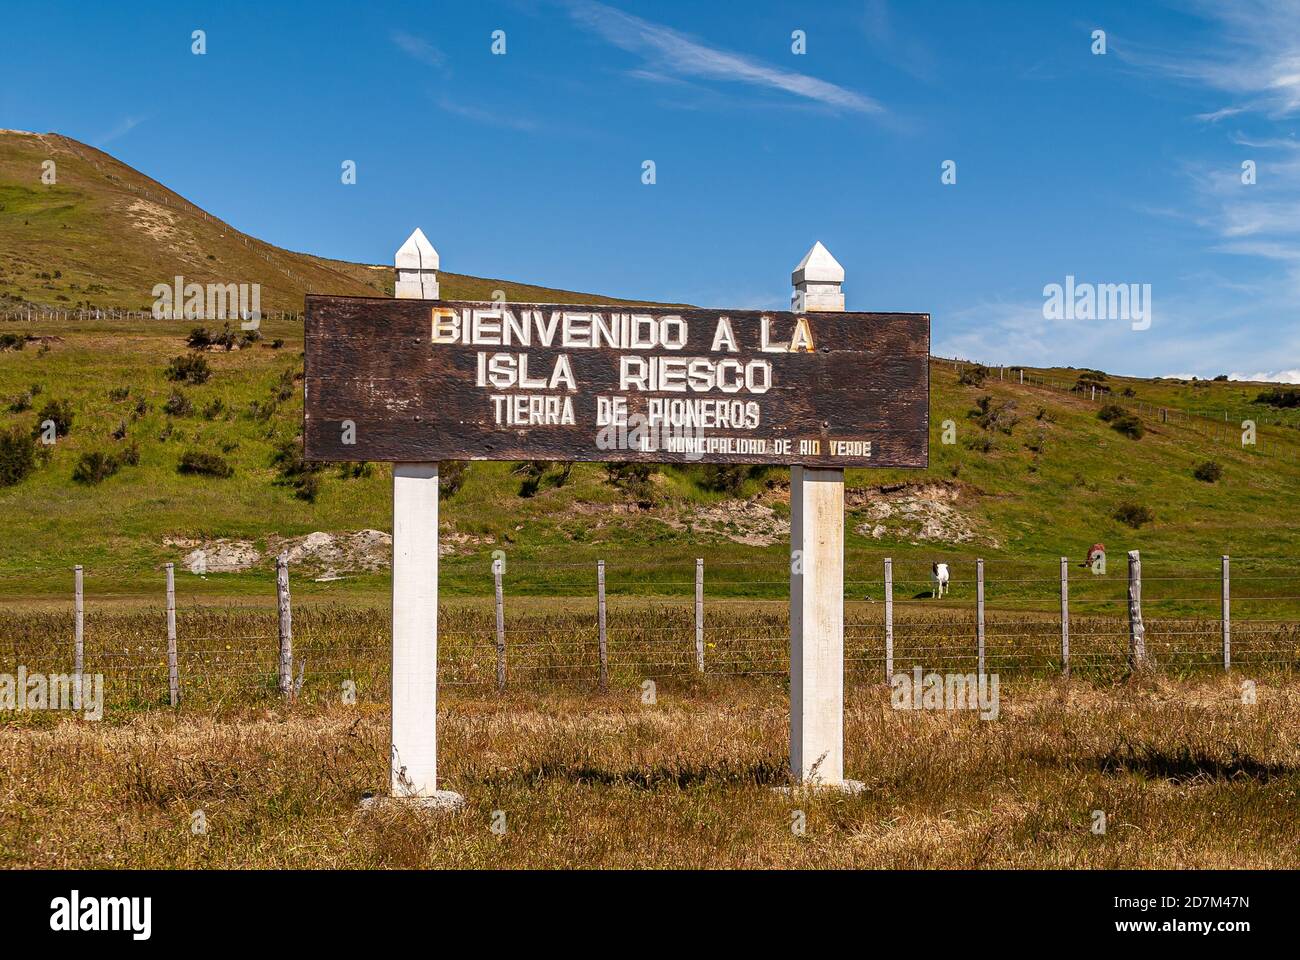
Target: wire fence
674 621
1222 426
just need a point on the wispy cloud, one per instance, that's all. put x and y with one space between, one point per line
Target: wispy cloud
485 117
670 54
125 126
1255 57
418 48
897 47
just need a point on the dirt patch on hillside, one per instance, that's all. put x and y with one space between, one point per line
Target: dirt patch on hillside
751 522
157 221
323 555
927 512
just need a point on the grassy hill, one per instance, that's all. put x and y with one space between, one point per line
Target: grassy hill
103 234
1032 474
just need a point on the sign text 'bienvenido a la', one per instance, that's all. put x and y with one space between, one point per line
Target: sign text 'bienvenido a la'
420 380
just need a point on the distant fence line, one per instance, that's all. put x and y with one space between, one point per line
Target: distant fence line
218 654
1202 424
50 314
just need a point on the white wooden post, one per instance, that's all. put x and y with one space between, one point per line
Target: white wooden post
414 757
817 578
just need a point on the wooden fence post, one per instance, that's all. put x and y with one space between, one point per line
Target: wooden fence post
979 610
1137 634
699 614
1227 618
286 624
600 618
173 672
501 625
889 620
1065 616
78 641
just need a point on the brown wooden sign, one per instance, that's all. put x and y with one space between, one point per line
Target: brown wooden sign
425 380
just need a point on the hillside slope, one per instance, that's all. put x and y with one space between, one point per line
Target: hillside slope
1019 474
1041 479
103 234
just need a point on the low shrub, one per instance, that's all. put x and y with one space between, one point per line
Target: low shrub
1128 425
58 411
1208 472
199 463
1133 514
451 477
189 369
95 467
17 456
178 405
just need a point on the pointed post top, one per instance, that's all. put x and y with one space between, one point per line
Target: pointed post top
819 266
817 282
417 269
416 253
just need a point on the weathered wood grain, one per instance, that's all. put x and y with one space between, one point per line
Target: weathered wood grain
373 363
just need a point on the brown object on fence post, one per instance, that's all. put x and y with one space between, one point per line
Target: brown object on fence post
78 642
1137 633
889 620
173 673
979 611
501 625
286 624
1227 619
1065 616
699 614
600 616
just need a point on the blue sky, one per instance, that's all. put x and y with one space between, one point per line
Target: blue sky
1117 168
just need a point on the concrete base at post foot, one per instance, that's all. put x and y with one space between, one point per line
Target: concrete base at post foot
438 800
842 786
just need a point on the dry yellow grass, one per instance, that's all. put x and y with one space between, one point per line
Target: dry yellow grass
1187 774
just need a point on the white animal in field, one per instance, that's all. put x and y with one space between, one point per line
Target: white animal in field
939 577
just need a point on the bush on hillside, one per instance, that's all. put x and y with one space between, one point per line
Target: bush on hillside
17 456
995 415
58 411
1133 514
634 480
199 463
178 405
1128 425
95 467
1280 398
1111 412
189 369
451 477
973 376
295 471
1208 472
